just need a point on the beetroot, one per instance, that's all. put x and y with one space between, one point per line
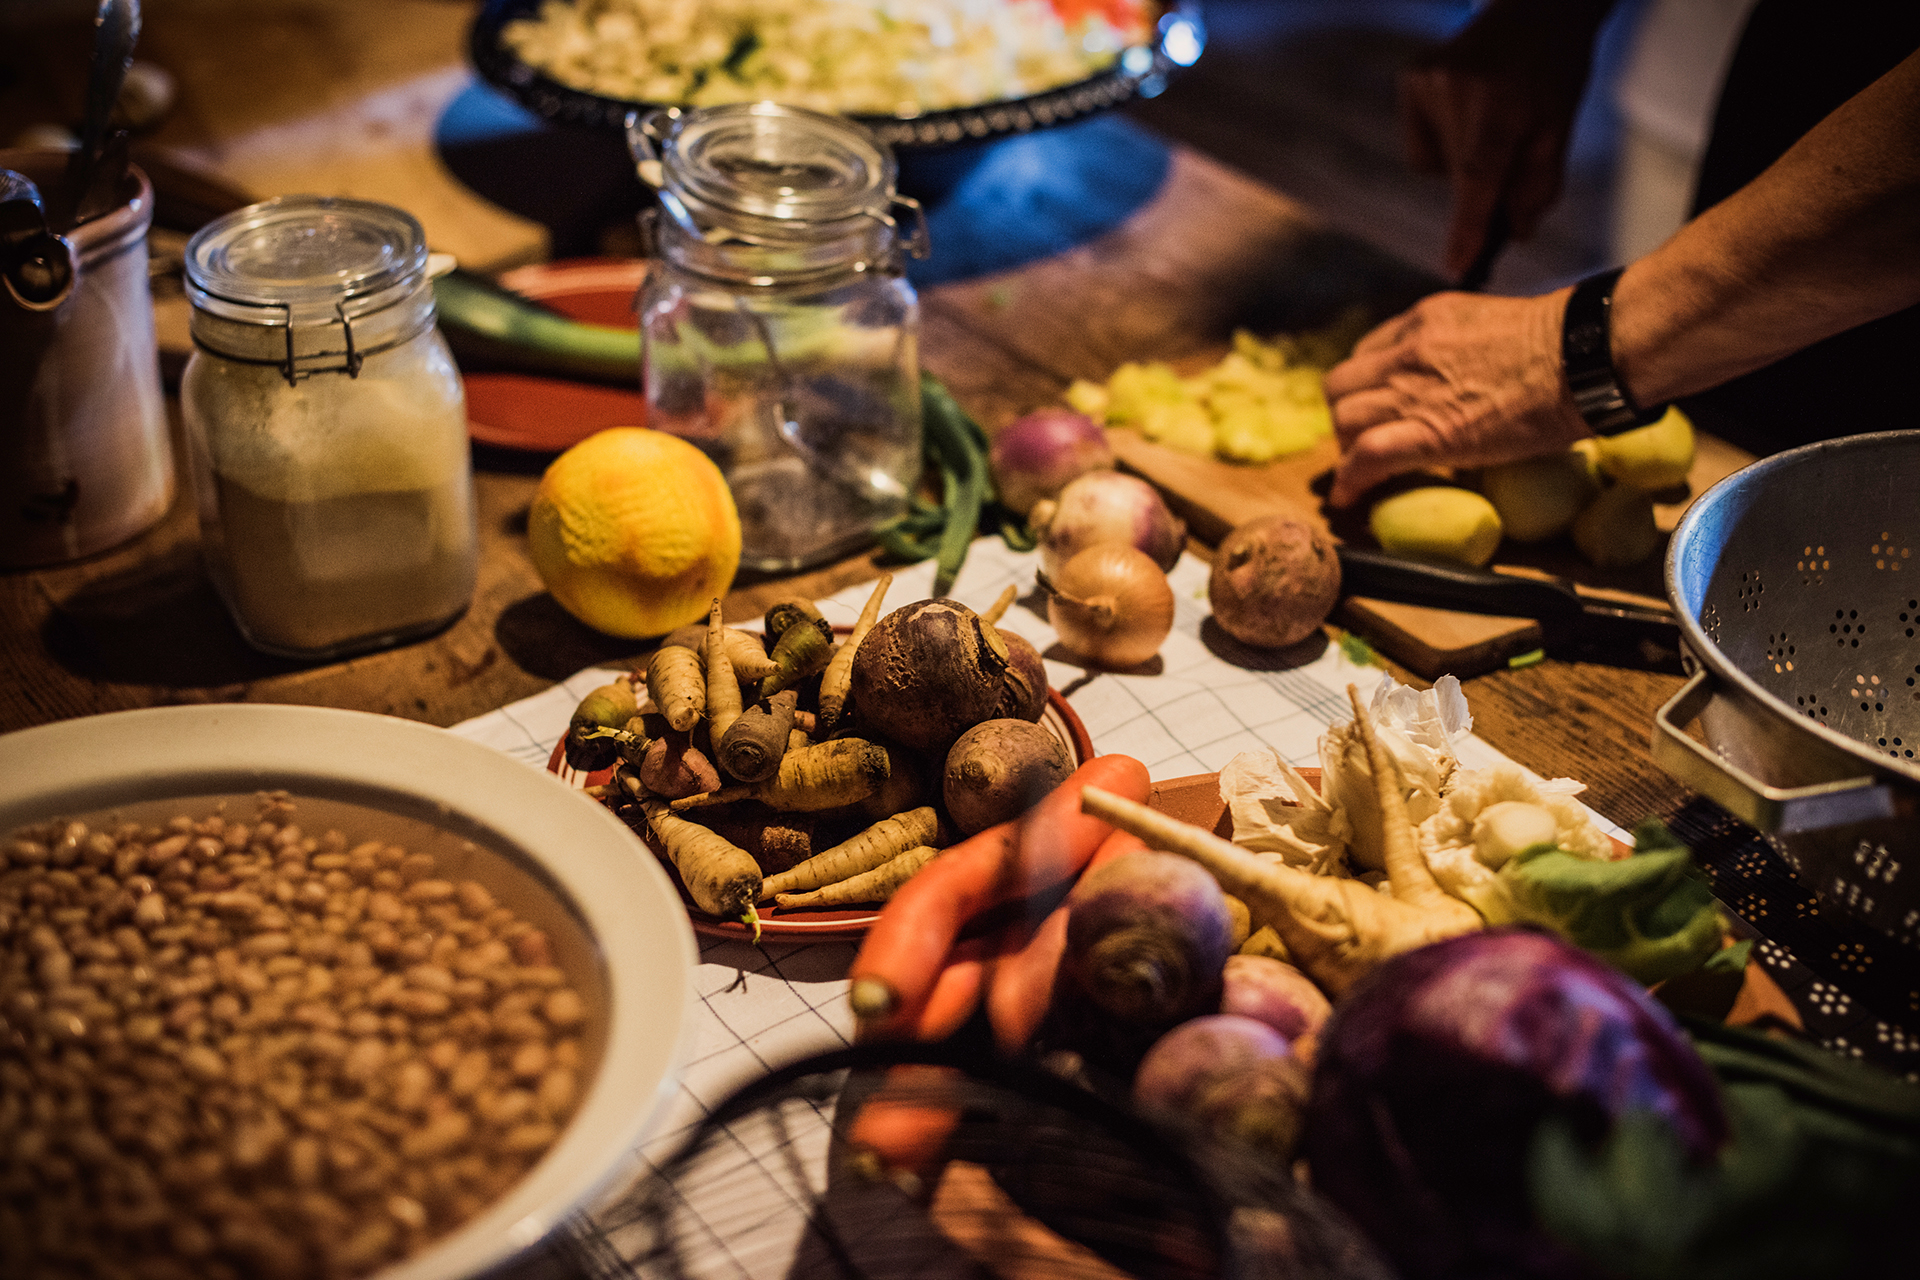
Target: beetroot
999 769
926 673
1023 686
1274 581
1274 992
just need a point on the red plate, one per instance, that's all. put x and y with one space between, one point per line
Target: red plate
544 414
817 924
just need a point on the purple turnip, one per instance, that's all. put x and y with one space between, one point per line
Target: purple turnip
1274 992
1147 937
1435 1073
1234 1076
1033 457
1106 506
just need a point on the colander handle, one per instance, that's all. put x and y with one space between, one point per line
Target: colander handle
1783 810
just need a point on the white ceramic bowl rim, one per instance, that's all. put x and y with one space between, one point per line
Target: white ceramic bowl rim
597 866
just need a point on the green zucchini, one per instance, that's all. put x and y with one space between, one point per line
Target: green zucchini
488 326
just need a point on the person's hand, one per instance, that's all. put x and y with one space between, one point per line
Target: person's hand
1492 109
1460 379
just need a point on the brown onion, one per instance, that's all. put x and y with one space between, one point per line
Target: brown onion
1111 604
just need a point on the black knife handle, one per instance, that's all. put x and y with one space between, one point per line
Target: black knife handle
1445 586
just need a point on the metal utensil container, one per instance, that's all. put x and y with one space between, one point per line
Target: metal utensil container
1796 582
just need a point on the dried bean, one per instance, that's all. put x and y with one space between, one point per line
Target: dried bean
255 1051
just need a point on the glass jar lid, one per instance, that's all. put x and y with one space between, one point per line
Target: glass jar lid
774 162
297 260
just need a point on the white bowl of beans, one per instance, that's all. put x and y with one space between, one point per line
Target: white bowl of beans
298 992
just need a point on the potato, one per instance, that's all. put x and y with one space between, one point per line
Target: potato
1617 528
1274 581
1438 522
1650 458
1537 498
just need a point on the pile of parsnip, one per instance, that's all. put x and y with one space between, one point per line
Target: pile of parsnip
797 768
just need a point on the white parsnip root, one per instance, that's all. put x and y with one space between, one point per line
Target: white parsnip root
834 683
1336 929
878 844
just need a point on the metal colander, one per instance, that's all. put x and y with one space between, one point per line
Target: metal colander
1796 582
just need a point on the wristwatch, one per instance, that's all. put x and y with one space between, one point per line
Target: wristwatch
1586 353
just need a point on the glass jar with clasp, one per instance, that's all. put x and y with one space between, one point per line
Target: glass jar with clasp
327 426
778 331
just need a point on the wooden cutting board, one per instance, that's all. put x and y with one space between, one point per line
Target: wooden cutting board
1213 497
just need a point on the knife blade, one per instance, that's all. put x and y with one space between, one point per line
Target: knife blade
1571 624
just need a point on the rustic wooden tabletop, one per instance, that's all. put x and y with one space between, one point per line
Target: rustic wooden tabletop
1213 250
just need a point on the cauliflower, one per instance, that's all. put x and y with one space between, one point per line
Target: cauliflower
1486 817
1419 727
1275 810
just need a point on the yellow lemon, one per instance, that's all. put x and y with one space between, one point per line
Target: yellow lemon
634 532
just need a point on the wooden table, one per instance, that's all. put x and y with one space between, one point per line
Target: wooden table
139 626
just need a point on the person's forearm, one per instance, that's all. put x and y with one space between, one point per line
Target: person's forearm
1827 238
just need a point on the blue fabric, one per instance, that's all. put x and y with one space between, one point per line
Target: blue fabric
991 206
1037 194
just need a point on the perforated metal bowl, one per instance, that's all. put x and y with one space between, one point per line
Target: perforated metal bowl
1797 585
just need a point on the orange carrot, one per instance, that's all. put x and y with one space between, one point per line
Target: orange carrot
1021 986
900 1131
956 992
899 962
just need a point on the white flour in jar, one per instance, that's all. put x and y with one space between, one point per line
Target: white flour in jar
341 508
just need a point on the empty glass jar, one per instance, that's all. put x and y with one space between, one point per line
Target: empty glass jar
328 428
778 332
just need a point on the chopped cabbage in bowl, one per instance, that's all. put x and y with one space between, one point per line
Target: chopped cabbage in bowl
856 57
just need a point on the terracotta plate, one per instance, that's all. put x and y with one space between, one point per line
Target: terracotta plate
544 414
828 924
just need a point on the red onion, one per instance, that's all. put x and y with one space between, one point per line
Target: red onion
1034 456
1107 506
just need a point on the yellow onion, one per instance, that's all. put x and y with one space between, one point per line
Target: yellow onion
1111 605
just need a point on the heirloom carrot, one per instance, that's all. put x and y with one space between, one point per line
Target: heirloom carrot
746 651
678 685
721 878
826 775
900 960
723 687
879 843
956 992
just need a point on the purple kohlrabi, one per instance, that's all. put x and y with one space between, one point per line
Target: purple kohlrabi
1434 1075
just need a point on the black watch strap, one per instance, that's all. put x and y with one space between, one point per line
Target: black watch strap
1586 353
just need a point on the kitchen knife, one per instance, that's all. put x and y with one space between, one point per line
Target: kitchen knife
1571 624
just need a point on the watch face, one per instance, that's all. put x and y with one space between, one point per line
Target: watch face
1585 340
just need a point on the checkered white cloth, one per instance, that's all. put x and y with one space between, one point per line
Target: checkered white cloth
764 1007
